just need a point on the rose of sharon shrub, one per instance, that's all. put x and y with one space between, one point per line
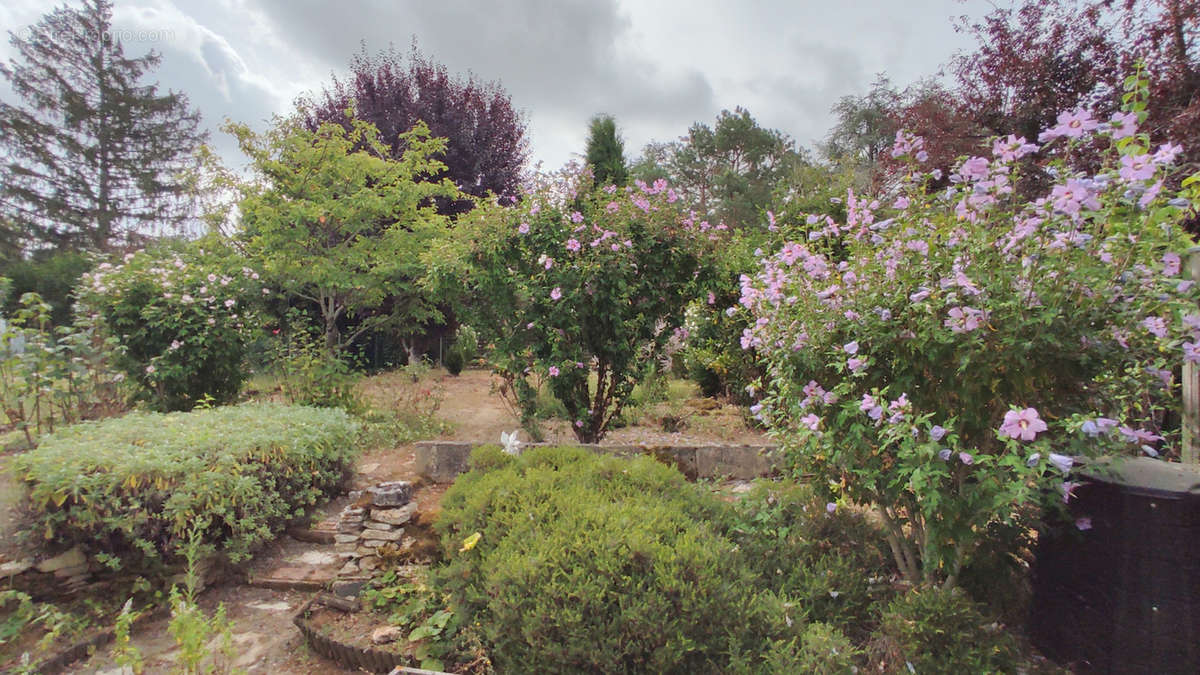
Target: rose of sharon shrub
940 356
580 291
180 315
131 487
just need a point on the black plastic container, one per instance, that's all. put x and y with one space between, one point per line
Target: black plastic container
1123 596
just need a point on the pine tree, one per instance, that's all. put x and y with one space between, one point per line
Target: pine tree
91 157
606 152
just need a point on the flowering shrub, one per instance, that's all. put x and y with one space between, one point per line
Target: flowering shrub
942 356
181 316
579 291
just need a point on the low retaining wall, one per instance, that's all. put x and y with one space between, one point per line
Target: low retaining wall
442 461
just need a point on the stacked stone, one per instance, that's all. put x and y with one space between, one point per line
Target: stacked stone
375 519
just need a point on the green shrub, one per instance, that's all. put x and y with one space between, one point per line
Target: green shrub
834 565
820 650
575 562
129 488
942 631
183 314
454 360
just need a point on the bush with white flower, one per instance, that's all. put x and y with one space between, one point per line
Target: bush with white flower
576 290
942 357
182 315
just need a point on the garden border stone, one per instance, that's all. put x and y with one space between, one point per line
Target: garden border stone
443 461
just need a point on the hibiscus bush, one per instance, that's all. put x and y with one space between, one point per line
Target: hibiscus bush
940 356
575 289
180 315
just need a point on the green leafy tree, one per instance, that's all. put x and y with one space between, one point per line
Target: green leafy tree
862 137
93 154
344 228
606 152
727 171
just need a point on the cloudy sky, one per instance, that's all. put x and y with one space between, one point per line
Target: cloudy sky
656 65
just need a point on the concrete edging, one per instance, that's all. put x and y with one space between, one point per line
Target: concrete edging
443 461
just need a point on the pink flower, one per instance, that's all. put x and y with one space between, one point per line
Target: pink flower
1191 352
230 302
576 217
850 347
573 245
811 421
855 364
1012 148
553 370
1123 125
1072 124
523 228
556 293
1137 168
1022 424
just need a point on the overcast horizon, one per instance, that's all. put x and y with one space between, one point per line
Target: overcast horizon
657 67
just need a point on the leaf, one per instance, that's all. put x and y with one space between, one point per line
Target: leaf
469 542
432 664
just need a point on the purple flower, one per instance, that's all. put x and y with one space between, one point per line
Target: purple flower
1083 523
1156 325
1067 488
830 507
811 421
576 217
1022 424
1171 264
1138 435
1100 425
1191 353
855 364
966 458
944 454
573 244
937 433
523 228
556 293
1033 459
1061 462
1072 124
850 347
553 370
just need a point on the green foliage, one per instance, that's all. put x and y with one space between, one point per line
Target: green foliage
728 171
50 274
124 653
131 487
195 633
436 634
338 224
576 292
606 152
834 564
181 314
310 375
454 360
575 562
942 631
53 376
820 650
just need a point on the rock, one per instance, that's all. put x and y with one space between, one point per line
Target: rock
394 493
385 634
398 516
348 588
348 547
354 496
345 538
394 535
350 528
347 555
315 558
377 525
368 468
15 567
72 558
71 572
351 567
370 563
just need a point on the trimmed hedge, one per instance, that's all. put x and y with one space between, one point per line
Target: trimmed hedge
130 488
589 563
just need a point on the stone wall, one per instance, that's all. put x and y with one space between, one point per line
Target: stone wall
372 526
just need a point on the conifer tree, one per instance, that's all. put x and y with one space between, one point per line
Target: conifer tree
91 156
606 152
